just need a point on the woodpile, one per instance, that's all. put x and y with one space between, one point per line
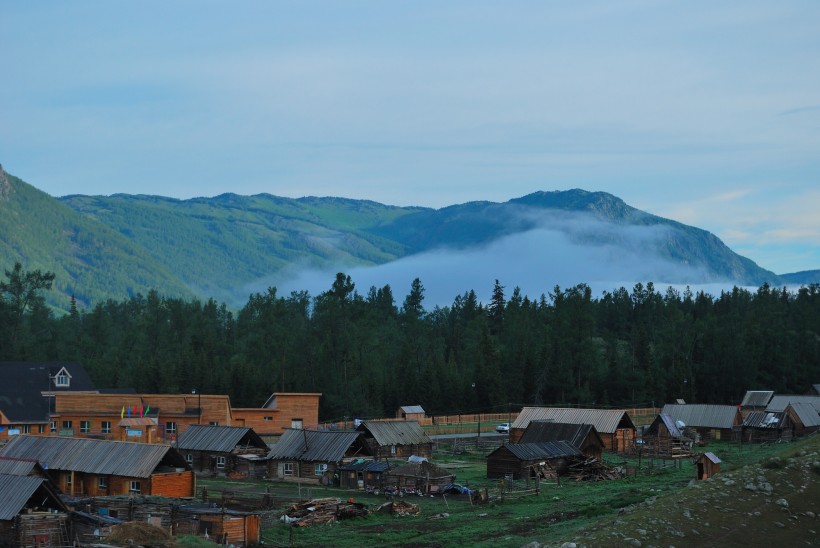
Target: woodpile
321 511
400 508
591 470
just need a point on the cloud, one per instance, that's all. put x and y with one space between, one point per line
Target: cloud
559 252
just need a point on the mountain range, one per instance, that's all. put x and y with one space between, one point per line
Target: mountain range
117 246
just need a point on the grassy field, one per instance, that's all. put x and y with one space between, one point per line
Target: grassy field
584 512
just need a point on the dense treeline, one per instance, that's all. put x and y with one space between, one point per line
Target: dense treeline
368 354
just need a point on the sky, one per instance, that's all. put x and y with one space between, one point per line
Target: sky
703 112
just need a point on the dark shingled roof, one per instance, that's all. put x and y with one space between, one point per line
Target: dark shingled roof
111 458
575 434
219 439
313 445
23 385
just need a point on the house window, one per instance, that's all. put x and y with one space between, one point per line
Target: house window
267 418
25 429
296 423
287 469
41 428
66 425
106 427
68 481
320 469
170 428
135 486
52 425
102 482
62 379
220 463
392 449
85 427
213 423
189 458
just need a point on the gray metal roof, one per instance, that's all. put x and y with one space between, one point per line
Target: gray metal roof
780 402
605 421
114 458
395 432
218 439
575 434
764 419
757 398
541 451
700 415
313 445
712 457
669 422
807 414
412 409
19 467
15 492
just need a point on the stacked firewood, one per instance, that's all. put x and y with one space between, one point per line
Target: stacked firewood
327 510
400 508
591 470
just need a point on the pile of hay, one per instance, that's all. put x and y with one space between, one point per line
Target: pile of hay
140 532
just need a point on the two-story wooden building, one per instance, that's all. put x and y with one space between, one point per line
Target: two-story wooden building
282 410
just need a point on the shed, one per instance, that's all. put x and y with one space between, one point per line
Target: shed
314 455
664 438
779 402
363 474
615 427
804 418
81 466
223 450
707 465
396 439
766 426
426 477
710 421
31 513
228 527
410 413
525 460
582 436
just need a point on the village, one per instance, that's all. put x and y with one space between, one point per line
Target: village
78 462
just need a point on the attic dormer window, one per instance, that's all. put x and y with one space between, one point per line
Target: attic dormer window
62 378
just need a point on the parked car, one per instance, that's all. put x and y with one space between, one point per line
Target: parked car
503 427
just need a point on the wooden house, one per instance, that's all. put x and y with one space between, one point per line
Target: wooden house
221 450
766 426
363 474
614 426
223 526
526 460
804 418
665 438
707 465
314 456
147 418
32 513
396 439
779 402
282 410
710 421
410 413
581 436
89 467
27 394
425 477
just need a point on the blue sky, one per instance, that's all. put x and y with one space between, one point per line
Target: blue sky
703 112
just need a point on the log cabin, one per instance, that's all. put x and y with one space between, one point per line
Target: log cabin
710 421
524 460
314 456
395 439
221 450
615 426
582 436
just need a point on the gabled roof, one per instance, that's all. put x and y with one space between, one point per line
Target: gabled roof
605 421
21 392
764 419
807 414
700 415
711 456
363 465
395 432
757 398
220 439
780 402
20 467
668 422
111 458
575 434
412 409
816 389
313 445
15 491
540 451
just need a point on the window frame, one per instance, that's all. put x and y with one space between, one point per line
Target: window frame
105 427
85 427
287 468
134 486
221 461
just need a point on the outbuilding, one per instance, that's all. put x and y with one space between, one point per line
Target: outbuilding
224 450
526 460
614 426
707 465
396 439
